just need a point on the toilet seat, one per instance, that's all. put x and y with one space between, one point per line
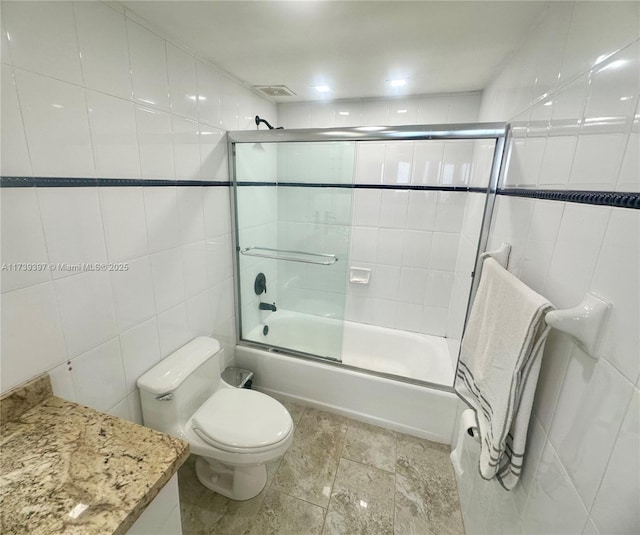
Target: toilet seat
242 421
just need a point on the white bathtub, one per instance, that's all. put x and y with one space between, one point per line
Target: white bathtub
410 355
410 408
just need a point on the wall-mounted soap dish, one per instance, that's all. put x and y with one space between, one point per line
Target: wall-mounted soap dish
358 275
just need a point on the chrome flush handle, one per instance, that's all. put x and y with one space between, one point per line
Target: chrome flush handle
165 397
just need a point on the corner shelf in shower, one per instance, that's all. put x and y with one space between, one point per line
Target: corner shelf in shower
290 256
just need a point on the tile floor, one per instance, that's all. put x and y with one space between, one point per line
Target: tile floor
340 476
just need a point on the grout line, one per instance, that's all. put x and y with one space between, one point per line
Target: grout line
301 499
367 465
395 486
628 146
613 448
15 89
333 483
85 100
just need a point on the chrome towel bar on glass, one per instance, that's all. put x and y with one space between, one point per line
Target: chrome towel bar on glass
290 256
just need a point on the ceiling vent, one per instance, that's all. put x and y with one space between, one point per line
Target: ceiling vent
275 90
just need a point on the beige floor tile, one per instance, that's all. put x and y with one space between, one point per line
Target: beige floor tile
281 514
295 410
370 444
308 468
342 468
205 512
361 501
426 494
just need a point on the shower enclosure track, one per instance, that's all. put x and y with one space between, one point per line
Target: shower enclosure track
469 131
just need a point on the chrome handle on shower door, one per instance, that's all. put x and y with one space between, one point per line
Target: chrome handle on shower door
290 256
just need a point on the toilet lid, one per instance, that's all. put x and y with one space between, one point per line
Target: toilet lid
240 418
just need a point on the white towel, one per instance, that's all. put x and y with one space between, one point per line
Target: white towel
499 366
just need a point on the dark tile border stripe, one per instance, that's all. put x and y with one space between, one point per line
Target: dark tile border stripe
599 198
363 186
73 182
617 199
417 187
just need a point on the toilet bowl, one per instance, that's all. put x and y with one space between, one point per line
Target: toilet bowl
233 431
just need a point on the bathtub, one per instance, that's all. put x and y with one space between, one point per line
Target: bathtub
410 355
416 409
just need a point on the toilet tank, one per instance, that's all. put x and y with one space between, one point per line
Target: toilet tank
173 389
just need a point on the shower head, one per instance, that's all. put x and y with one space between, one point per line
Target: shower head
259 120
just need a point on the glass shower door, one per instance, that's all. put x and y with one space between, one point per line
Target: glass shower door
293 216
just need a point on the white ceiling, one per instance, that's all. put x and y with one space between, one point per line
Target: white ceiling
355 47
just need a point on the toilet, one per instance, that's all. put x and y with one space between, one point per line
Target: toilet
233 431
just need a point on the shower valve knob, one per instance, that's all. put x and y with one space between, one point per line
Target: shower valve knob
260 284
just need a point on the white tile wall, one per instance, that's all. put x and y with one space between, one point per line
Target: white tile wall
618 260
592 402
228 104
15 155
578 243
173 329
209 94
79 70
133 293
21 208
78 317
581 468
102 38
98 376
427 163
410 239
113 132
147 54
554 505
194 259
62 382
614 510
424 109
199 313
56 123
213 153
613 25
580 403
155 143
27 312
182 78
87 310
43 39
393 208
457 284
154 304
370 168
168 278
398 159
161 209
88 92
72 226
190 215
140 350
123 218
186 148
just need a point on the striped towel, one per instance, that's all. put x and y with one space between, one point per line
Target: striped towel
499 366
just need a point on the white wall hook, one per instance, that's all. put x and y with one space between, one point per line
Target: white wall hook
585 323
500 255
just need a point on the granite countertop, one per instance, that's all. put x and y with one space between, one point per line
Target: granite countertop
66 468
